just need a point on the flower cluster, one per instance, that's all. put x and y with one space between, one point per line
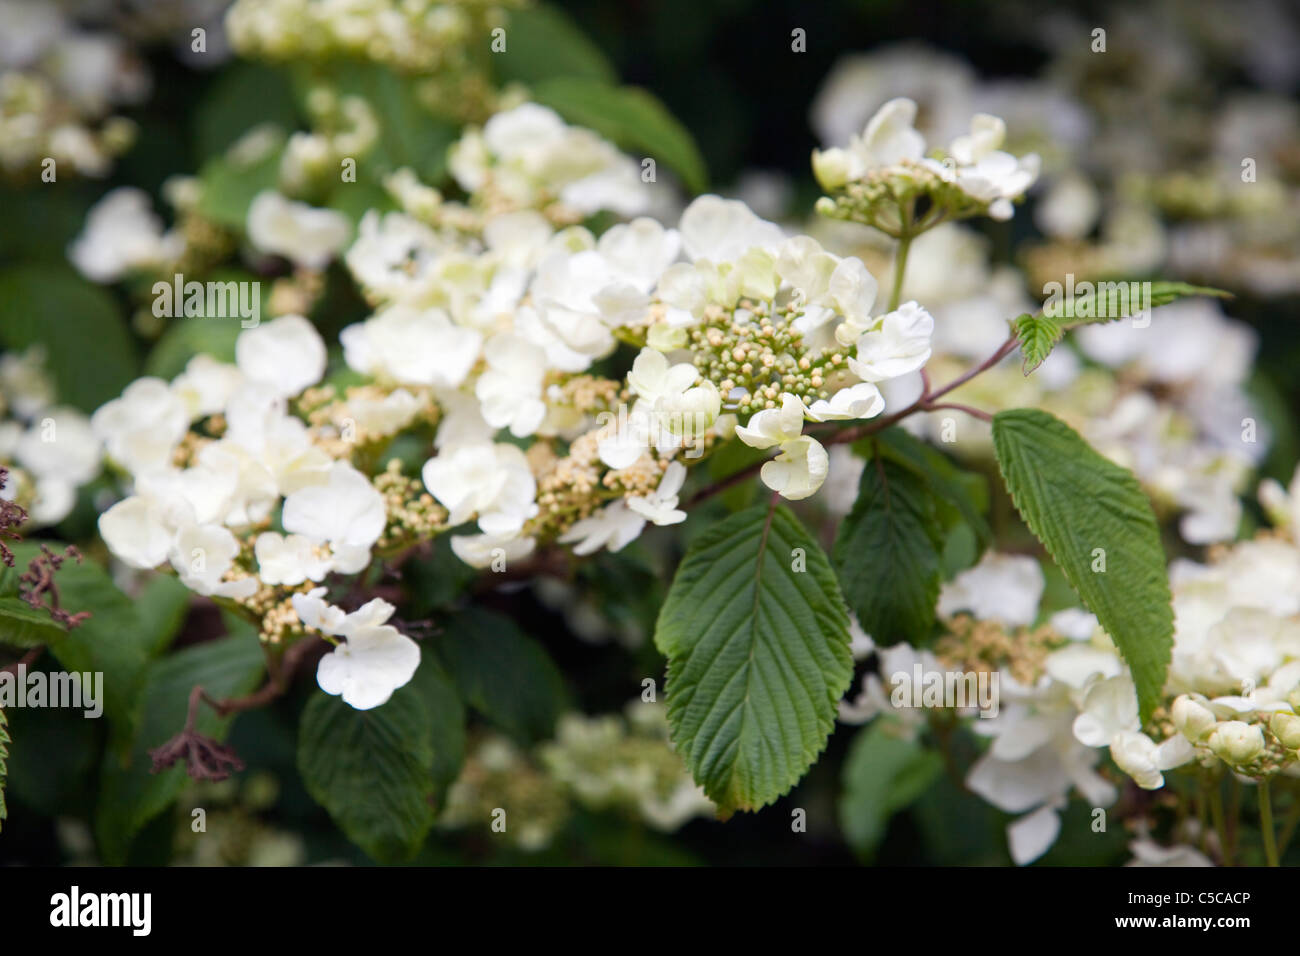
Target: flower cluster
59 85
49 450
879 178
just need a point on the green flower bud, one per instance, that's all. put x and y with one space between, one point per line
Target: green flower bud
1192 718
1286 727
1236 742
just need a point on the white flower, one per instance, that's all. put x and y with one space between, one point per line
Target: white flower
1142 759
653 379
799 470
392 253
286 354
858 401
123 234
484 550
774 426
372 664
511 387
24 382
613 527
202 554
640 251
347 512
691 412
314 611
1146 852
1033 834
985 172
661 506
142 428
384 416
722 230
1002 587
307 236
136 531
288 559
375 660
60 444
889 137
1109 707
900 344
206 385
493 482
412 347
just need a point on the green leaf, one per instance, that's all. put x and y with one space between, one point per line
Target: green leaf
162 606
885 771
887 553
22 625
243 95
4 753
130 794
544 42
631 118
757 640
112 640
373 770
1075 502
1037 335
965 491
88 349
1104 302
228 187
503 674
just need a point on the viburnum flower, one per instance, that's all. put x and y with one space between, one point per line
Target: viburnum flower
801 467
614 527
202 555
799 470
1144 760
510 390
307 236
286 354
879 177
483 550
660 507
1001 587
412 346
984 171
142 427
346 512
123 234
375 658
898 344
289 559
857 401
493 482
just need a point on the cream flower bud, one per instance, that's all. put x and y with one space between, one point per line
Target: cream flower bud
663 337
831 167
1237 742
1287 729
691 412
1193 719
